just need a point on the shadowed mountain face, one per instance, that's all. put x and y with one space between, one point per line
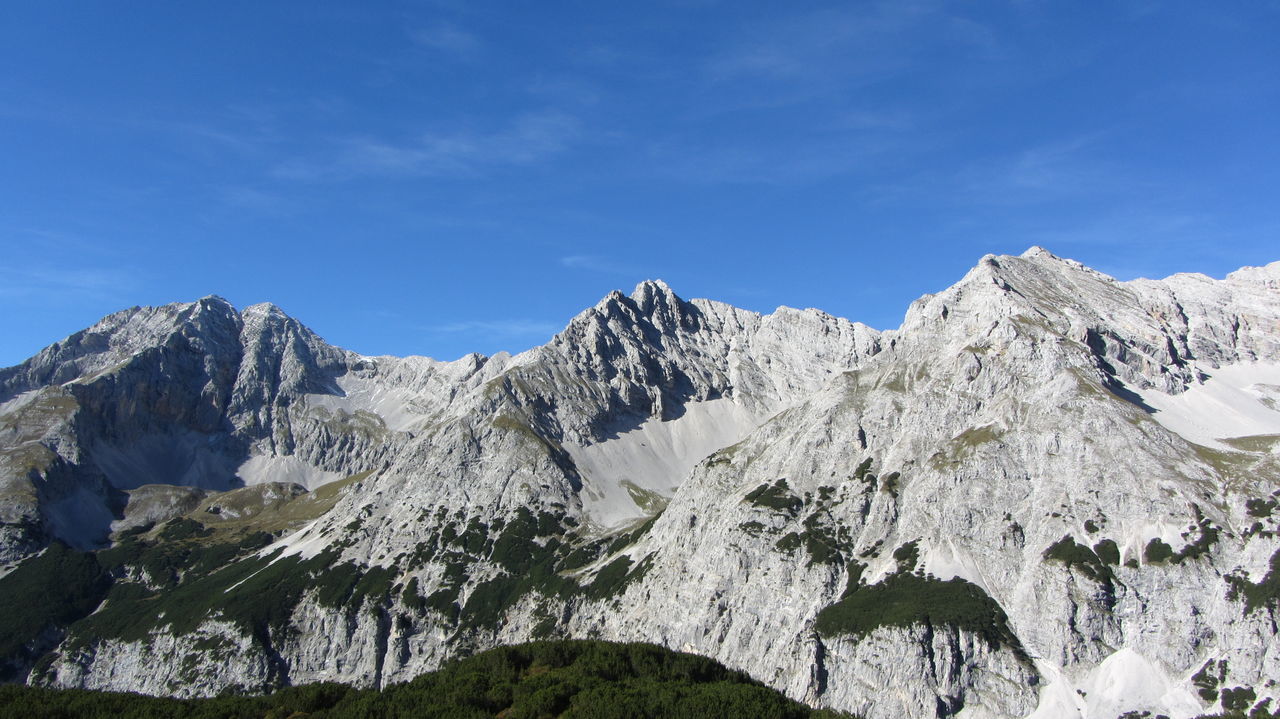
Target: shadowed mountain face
174 395
1047 491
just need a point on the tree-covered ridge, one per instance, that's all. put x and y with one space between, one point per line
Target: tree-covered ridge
178 575
566 679
43 594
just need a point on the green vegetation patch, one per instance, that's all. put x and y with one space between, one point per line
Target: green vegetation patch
266 508
826 544
626 539
28 459
30 422
903 600
1210 676
187 580
963 445
1262 594
46 592
1254 443
570 680
1157 552
1083 559
891 484
183 528
790 542
165 563
1108 551
185 573
862 473
1238 699
198 581
529 552
1205 536
412 598
975 436
824 541
255 594
535 554
1260 508
777 497
613 579
907 556
646 499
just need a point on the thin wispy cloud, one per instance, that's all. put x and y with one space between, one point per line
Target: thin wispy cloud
800 160
50 242
221 135
514 328
564 90
1056 170
1056 167
865 41
1135 228
43 283
449 39
254 199
596 263
821 73
215 137
530 138
879 118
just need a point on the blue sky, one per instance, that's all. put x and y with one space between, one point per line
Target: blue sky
444 177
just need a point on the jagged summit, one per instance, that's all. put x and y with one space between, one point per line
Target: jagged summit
1267 276
264 308
216 299
652 286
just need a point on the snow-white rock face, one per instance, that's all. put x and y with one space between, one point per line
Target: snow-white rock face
1048 493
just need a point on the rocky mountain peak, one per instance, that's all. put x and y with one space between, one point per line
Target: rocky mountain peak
651 312
214 300
264 309
1066 482
1036 284
1266 276
206 324
649 292
657 302
208 307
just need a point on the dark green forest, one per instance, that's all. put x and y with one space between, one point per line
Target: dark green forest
566 679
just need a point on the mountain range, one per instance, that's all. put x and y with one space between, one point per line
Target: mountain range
1048 493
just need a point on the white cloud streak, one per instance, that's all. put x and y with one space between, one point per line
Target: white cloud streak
862 41
58 284
498 328
449 39
529 139
594 263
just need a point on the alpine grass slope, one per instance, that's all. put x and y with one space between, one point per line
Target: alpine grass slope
1048 494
